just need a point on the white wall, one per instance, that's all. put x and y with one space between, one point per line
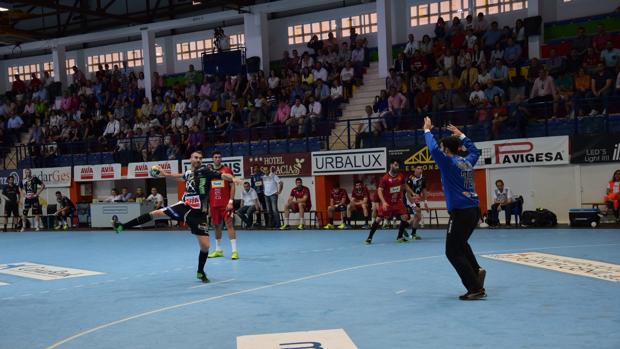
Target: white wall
557 188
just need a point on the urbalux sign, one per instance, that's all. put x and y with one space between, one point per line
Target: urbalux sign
524 152
347 162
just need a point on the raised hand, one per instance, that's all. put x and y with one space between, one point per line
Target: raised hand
455 131
428 123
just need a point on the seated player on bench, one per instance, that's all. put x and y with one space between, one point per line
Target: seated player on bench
612 199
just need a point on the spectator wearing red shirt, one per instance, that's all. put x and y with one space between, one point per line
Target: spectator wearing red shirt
35 82
424 100
18 87
299 202
338 201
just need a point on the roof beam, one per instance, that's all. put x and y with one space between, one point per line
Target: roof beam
65 8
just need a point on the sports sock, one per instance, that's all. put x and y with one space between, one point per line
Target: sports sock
401 229
218 244
413 230
202 260
366 220
373 229
138 221
331 220
233 245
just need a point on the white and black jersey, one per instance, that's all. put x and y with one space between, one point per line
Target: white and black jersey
417 185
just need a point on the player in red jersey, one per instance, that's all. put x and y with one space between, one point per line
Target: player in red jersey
360 199
299 201
390 191
338 201
221 208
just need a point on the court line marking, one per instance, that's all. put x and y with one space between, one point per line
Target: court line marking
292 281
213 283
401 291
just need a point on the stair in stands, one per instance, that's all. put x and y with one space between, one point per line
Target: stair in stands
10 159
363 96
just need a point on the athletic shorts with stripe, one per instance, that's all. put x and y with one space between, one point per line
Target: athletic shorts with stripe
195 218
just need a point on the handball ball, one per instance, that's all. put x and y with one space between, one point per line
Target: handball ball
155 171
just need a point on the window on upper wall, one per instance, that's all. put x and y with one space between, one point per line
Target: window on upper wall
23 71
363 24
491 7
134 57
49 66
236 41
92 62
301 33
194 49
428 12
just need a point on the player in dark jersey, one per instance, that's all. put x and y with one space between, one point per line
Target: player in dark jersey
11 196
390 192
32 187
65 209
360 200
221 208
338 201
299 201
417 184
190 208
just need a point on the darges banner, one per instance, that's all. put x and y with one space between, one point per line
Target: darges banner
53 177
588 149
286 165
234 162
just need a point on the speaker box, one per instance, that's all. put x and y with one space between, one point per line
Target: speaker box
223 63
252 64
532 25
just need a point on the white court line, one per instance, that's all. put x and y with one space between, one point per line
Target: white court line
213 283
282 283
401 291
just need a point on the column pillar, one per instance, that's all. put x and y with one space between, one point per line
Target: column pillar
169 54
256 30
60 71
384 36
534 42
148 54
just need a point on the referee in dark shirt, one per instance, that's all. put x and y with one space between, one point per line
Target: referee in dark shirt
457 179
10 194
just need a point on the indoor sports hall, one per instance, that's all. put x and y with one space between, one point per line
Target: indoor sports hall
318 174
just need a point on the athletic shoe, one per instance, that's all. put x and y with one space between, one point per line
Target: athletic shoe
406 234
301 227
329 226
66 226
415 237
57 226
23 229
368 241
482 274
216 254
472 296
365 226
234 256
342 226
284 227
401 240
384 225
349 226
37 229
118 227
202 277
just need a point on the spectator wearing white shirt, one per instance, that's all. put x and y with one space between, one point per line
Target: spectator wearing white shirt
477 96
156 198
14 125
114 197
314 114
273 188
250 205
411 46
357 58
346 76
319 72
363 131
298 115
502 199
176 121
335 98
180 106
112 129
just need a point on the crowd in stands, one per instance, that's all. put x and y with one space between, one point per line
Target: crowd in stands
109 110
471 64
476 65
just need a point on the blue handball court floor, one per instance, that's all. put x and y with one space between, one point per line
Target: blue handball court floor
143 292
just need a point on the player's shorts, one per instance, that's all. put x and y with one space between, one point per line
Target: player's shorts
392 210
295 208
34 204
413 209
220 214
195 218
11 208
340 208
